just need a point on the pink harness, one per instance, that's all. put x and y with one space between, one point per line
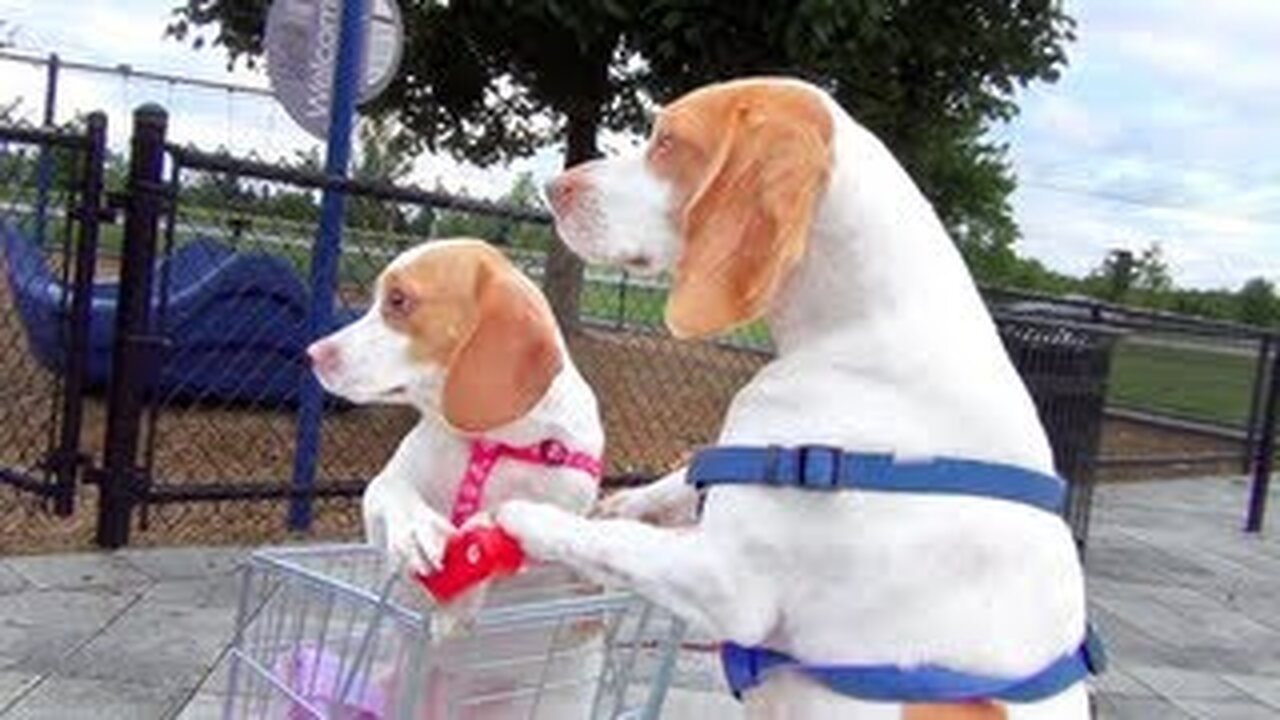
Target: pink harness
485 455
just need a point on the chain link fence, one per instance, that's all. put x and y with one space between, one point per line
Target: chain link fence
212 276
220 440
49 179
1185 395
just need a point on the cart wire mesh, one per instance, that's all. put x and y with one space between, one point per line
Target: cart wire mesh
328 632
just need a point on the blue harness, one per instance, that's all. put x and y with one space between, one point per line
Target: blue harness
818 467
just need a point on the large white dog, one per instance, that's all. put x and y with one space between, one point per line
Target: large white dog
766 199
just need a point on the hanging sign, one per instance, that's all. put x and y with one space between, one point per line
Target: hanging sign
302 46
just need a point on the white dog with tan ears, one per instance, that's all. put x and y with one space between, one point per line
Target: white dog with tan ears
878 536
457 332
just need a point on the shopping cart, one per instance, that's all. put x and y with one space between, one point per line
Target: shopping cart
329 633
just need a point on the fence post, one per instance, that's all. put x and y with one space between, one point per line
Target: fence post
44 168
89 215
1266 449
130 354
1255 404
622 299
328 248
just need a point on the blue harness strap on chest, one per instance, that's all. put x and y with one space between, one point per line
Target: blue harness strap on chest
818 467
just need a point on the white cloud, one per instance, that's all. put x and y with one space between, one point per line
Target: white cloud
1162 129
1205 62
1070 119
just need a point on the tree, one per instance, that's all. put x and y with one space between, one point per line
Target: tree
1217 304
1123 273
1114 277
384 154
927 77
489 80
1258 304
1153 271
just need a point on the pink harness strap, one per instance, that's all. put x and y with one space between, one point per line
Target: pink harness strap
485 455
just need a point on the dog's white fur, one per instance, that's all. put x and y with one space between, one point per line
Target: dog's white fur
883 345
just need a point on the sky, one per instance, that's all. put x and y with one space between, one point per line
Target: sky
1165 126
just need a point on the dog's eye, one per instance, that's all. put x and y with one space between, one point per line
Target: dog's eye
397 301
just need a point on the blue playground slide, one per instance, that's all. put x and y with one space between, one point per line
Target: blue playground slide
233 324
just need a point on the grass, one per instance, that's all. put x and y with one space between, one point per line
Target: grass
630 305
1198 383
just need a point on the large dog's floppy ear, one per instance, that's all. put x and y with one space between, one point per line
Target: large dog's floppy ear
747 223
504 367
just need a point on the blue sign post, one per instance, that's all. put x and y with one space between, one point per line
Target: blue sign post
347 77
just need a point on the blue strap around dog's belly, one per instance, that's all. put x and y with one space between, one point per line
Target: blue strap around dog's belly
745 668
817 467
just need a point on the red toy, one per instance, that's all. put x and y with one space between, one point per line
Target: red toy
470 556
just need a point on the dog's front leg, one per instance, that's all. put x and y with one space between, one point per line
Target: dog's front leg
668 501
680 569
399 522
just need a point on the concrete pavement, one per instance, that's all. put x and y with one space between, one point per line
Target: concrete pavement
1189 606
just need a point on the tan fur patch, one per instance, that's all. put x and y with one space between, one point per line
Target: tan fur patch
440 288
749 162
466 308
955 711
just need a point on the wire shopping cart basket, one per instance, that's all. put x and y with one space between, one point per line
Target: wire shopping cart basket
328 633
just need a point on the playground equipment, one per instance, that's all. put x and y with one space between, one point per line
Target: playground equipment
231 325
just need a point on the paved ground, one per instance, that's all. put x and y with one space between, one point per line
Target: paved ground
1189 605
1190 608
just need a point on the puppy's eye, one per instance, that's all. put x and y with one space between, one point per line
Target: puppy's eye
397 302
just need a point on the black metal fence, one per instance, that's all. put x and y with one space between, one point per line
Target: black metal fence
51 203
1065 368
1186 396
190 351
220 449
1181 373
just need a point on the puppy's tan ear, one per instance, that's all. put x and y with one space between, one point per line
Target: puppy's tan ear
747 223
504 367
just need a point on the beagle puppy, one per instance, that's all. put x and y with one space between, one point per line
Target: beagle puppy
766 200
457 332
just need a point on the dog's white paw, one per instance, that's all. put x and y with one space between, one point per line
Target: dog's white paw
415 538
544 532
